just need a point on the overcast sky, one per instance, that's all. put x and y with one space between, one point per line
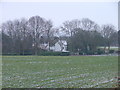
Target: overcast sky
100 12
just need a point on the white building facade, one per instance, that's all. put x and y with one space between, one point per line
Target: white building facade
60 46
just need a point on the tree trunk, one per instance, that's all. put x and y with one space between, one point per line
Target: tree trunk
109 48
104 49
36 49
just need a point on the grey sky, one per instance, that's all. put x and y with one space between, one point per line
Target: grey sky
100 12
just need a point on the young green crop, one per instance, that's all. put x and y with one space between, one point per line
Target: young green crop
59 71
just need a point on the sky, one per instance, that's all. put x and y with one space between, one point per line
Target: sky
58 12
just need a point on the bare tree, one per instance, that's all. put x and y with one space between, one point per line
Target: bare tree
49 32
24 34
107 32
37 27
70 26
8 30
89 25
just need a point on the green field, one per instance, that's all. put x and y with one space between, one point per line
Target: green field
59 71
111 48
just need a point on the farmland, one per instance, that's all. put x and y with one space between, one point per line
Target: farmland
59 71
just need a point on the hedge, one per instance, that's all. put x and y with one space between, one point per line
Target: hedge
54 53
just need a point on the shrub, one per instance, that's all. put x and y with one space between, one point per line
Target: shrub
81 53
27 52
111 51
11 54
90 52
100 51
65 54
50 53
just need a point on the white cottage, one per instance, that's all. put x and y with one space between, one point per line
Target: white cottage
61 45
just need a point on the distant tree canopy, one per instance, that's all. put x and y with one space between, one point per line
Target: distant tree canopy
26 36
85 41
85 35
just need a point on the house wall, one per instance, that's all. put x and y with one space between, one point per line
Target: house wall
56 47
60 45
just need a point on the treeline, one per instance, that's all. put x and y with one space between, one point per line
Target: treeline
26 37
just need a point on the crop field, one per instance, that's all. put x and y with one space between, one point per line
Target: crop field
59 71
